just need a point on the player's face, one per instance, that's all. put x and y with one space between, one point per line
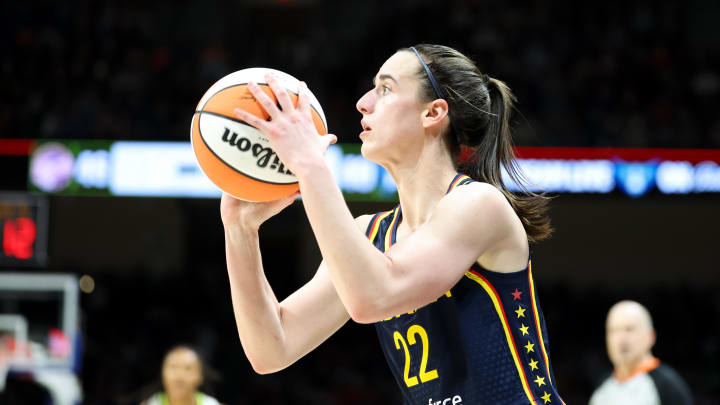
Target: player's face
181 373
392 110
629 337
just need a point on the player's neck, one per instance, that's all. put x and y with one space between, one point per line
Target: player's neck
421 184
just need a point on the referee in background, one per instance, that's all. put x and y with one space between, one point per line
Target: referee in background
638 378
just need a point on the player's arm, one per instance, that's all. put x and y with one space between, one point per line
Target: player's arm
468 223
472 221
274 334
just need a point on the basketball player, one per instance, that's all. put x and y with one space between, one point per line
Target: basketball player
182 375
445 276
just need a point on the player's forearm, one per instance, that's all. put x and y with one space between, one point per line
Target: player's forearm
361 274
256 308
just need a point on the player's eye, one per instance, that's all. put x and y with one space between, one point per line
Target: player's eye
385 90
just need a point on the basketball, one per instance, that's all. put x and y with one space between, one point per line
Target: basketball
234 155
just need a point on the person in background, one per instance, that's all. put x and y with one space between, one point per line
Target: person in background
638 378
182 376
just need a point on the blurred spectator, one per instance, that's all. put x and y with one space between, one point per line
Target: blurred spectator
638 378
183 372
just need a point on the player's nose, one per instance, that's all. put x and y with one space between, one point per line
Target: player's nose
366 103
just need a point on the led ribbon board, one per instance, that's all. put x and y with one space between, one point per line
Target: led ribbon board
634 171
169 169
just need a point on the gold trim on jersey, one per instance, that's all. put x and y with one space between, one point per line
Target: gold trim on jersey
490 290
376 225
537 321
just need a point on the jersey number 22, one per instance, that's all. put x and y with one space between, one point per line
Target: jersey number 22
425 375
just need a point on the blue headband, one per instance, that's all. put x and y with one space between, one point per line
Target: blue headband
435 85
429 74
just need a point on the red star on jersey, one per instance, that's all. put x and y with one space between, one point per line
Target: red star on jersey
516 294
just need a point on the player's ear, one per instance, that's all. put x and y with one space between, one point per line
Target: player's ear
435 113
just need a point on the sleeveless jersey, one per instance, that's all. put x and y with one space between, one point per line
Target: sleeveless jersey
482 342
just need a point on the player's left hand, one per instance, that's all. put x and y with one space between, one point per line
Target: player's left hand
291 130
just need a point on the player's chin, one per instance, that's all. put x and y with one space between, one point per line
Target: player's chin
369 150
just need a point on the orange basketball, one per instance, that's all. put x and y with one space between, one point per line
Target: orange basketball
236 156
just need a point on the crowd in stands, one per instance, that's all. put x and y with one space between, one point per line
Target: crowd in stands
644 74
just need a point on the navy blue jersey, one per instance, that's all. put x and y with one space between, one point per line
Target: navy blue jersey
482 342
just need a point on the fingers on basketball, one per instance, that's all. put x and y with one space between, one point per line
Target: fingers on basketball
250 119
264 100
280 93
229 134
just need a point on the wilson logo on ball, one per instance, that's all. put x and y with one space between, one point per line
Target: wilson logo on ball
262 154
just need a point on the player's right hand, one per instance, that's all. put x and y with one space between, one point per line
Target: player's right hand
235 212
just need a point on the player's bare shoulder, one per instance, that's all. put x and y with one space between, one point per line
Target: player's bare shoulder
363 221
477 197
481 211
